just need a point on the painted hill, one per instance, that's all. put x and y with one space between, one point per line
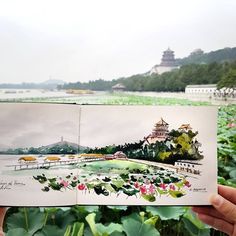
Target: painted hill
61 143
62 147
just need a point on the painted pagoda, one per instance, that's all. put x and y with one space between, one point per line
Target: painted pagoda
159 132
185 128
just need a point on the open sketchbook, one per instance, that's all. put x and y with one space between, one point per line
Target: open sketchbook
55 154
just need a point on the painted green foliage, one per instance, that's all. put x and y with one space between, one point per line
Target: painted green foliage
180 145
148 186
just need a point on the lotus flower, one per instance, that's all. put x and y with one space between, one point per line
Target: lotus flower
187 184
136 185
163 186
231 125
64 183
81 186
143 189
151 189
172 187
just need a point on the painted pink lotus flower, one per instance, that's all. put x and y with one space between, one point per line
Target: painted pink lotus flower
81 186
187 184
136 185
172 187
163 186
143 189
152 189
64 183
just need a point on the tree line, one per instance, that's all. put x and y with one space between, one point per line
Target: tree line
199 57
222 74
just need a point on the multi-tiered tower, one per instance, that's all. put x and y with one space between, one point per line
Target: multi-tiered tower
168 58
159 132
168 63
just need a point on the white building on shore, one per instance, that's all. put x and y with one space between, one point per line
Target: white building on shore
210 90
201 89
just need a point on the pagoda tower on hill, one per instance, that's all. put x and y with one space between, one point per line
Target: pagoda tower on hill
168 63
159 133
168 58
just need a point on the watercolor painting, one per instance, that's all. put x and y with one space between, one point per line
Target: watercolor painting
31 135
114 154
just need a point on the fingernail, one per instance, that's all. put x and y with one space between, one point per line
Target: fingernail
216 200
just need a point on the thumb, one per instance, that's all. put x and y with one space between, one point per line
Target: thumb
1 233
2 214
224 206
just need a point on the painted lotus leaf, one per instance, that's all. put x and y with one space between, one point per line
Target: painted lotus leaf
176 194
149 197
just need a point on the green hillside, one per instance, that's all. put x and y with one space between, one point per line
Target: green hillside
173 81
216 67
199 57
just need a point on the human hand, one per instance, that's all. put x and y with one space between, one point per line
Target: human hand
222 214
2 215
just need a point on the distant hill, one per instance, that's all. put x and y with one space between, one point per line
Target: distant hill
54 81
199 57
48 84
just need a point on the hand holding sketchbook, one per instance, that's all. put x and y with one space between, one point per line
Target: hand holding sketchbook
222 214
54 154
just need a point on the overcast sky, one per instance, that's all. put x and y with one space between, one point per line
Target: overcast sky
87 40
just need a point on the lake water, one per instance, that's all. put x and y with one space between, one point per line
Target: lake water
99 97
30 93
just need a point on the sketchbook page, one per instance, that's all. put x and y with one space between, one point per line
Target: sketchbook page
147 155
38 146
